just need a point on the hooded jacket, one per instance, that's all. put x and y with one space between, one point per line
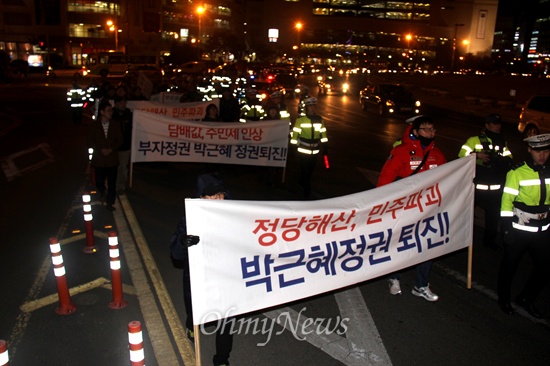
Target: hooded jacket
406 157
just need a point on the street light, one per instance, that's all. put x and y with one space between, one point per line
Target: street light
454 45
113 28
298 27
408 38
200 12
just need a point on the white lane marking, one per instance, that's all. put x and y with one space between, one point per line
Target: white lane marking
362 344
365 343
132 240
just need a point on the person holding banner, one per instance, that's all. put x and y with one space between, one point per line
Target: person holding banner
230 110
416 153
525 221
309 134
493 161
209 186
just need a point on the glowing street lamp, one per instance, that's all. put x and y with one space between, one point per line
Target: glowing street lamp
113 28
298 27
200 11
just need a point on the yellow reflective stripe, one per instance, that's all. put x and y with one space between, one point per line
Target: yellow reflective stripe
324 139
478 147
507 213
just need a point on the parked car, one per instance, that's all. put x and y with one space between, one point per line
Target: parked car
335 84
388 98
535 116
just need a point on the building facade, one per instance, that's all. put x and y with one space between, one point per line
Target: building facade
403 32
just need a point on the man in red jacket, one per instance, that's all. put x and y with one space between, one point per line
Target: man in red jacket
415 154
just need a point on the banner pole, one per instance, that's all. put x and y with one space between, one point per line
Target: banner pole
469 275
196 329
131 175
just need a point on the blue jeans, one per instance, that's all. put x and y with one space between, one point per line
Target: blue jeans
422 272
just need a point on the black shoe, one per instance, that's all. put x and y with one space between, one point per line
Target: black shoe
506 308
529 307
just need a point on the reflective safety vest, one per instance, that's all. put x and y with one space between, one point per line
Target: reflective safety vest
308 134
76 97
526 199
488 177
251 112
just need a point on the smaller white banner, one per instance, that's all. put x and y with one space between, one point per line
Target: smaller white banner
156 137
189 111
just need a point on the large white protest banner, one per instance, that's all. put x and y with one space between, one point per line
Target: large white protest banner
156 137
257 254
188 111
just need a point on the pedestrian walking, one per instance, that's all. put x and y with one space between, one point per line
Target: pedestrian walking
416 153
124 117
105 137
209 186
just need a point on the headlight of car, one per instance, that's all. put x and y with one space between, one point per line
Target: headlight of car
390 103
417 103
345 87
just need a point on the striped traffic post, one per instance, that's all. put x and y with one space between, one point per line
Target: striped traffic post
4 358
135 339
91 168
88 217
65 306
116 282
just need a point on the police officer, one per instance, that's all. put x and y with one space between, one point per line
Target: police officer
310 136
76 96
494 160
251 106
525 222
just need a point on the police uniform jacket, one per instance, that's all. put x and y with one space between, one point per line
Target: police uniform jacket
308 133
526 198
406 157
489 176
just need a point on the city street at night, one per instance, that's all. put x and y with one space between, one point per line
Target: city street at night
45 172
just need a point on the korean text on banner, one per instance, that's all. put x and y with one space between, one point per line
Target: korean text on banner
159 138
274 252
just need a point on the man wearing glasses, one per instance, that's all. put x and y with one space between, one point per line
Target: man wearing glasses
415 154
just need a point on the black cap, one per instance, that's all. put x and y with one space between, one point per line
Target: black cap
212 189
493 118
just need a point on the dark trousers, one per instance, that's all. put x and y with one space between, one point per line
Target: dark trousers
224 338
489 201
538 246
307 165
76 115
106 174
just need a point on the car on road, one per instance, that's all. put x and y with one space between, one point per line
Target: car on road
535 115
288 81
388 98
334 84
265 88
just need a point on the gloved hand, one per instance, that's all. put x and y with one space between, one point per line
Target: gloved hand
189 240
